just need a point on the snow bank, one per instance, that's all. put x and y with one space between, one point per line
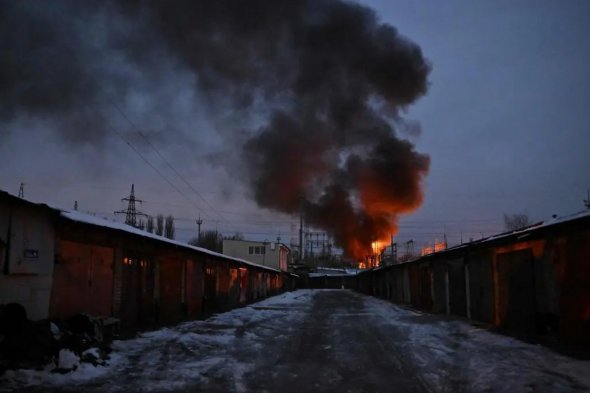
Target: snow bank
46 377
68 360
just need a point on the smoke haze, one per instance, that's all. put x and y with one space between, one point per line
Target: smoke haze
320 86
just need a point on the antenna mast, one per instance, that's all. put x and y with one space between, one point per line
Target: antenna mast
199 223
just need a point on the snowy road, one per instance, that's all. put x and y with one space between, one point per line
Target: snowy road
320 341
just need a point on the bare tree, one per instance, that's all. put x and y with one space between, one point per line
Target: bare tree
516 221
150 224
211 240
141 224
169 227
159 225
235 236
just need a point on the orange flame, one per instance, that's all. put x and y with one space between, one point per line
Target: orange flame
383 205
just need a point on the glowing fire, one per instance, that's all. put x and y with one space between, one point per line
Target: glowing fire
375 246
382 201
373 259
438 246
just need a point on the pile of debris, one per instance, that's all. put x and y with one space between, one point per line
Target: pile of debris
64 344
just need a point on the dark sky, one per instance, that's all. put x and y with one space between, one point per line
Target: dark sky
504 121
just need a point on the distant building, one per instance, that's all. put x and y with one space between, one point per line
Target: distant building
271 254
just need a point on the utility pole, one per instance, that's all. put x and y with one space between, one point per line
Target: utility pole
21 191
393 250
199 223
300 228
391 235
587 201
130 213
75 205
217 237
410 247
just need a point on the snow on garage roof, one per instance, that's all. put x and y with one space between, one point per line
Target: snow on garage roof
522 232
118 226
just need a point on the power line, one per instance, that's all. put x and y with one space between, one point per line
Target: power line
165 160
112 128
132 147
425 231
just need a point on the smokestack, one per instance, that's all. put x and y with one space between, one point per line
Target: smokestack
319 85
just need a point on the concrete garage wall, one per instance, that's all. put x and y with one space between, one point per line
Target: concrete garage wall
26 255
32 292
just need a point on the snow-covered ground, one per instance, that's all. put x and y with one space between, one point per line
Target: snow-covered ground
241 350
454 356
190 354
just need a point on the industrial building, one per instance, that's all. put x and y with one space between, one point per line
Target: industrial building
265 253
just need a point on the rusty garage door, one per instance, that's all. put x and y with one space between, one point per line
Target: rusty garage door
516 290
82 280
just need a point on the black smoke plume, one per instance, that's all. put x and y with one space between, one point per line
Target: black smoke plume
327 81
